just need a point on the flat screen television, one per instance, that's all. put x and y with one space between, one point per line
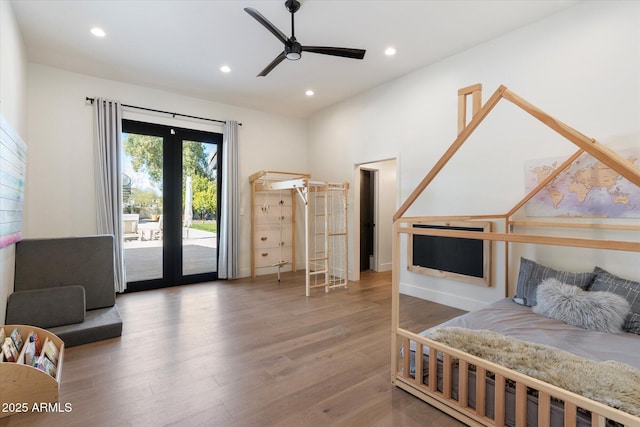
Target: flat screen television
461 259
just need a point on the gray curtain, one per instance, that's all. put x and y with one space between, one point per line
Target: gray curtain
228 267
108 135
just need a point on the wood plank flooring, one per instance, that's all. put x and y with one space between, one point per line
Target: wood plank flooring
247 352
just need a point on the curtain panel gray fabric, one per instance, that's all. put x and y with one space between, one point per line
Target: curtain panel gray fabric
228 261
108 136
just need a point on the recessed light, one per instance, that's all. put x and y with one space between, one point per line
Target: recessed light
390 51
98 32
225 69
309 92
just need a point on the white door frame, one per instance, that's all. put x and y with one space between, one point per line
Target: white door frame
379 227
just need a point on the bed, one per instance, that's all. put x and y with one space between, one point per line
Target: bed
513 320
477 390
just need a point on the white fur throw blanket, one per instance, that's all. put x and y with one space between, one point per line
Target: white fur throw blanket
613 383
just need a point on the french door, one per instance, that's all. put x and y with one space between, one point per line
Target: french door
170 204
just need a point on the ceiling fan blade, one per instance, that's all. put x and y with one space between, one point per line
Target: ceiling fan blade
273 64
268 25
336 51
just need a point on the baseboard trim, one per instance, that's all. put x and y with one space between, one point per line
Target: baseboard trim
456 301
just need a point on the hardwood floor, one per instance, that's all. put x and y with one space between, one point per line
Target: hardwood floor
248 352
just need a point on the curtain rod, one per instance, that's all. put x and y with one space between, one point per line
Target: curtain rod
167 112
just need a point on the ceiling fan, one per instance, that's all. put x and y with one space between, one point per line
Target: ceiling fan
292 48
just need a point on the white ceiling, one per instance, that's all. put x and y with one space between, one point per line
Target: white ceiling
179 45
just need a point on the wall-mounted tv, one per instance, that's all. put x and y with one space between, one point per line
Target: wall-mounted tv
460 259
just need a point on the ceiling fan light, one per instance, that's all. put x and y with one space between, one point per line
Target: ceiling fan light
293 50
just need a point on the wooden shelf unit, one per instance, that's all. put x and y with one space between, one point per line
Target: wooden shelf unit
24 385
325 225
273 222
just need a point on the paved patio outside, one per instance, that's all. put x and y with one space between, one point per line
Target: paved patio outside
143 258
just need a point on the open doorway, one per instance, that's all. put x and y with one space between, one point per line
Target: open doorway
367 219
375 202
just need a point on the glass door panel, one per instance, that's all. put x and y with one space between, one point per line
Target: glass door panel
170 188
199 203
142 206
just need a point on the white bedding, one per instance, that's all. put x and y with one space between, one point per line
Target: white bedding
511 319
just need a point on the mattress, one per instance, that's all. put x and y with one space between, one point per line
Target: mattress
511 319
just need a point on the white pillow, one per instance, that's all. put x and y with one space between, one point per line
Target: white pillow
598 311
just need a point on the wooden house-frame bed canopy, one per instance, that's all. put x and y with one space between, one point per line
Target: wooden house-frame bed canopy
325 224
438 389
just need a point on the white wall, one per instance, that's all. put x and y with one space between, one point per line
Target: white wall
581 66
13 97
387 172
60 195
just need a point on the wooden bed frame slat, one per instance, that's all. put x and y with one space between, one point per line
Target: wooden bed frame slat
446 376
406 359
419 350
544 410
570 412
619 227
521 405
499 408
433 367
522 383
598 420
481 391
619 245
463 383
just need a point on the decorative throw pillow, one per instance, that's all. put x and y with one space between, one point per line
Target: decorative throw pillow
598 311
628 289
532 274
632 324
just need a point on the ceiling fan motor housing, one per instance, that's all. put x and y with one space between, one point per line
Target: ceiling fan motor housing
292 5
293 50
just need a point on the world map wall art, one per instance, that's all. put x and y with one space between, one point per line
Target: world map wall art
13 164
587 188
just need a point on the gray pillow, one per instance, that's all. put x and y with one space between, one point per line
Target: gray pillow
628 289
532 274
632 324
47 308
598 311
